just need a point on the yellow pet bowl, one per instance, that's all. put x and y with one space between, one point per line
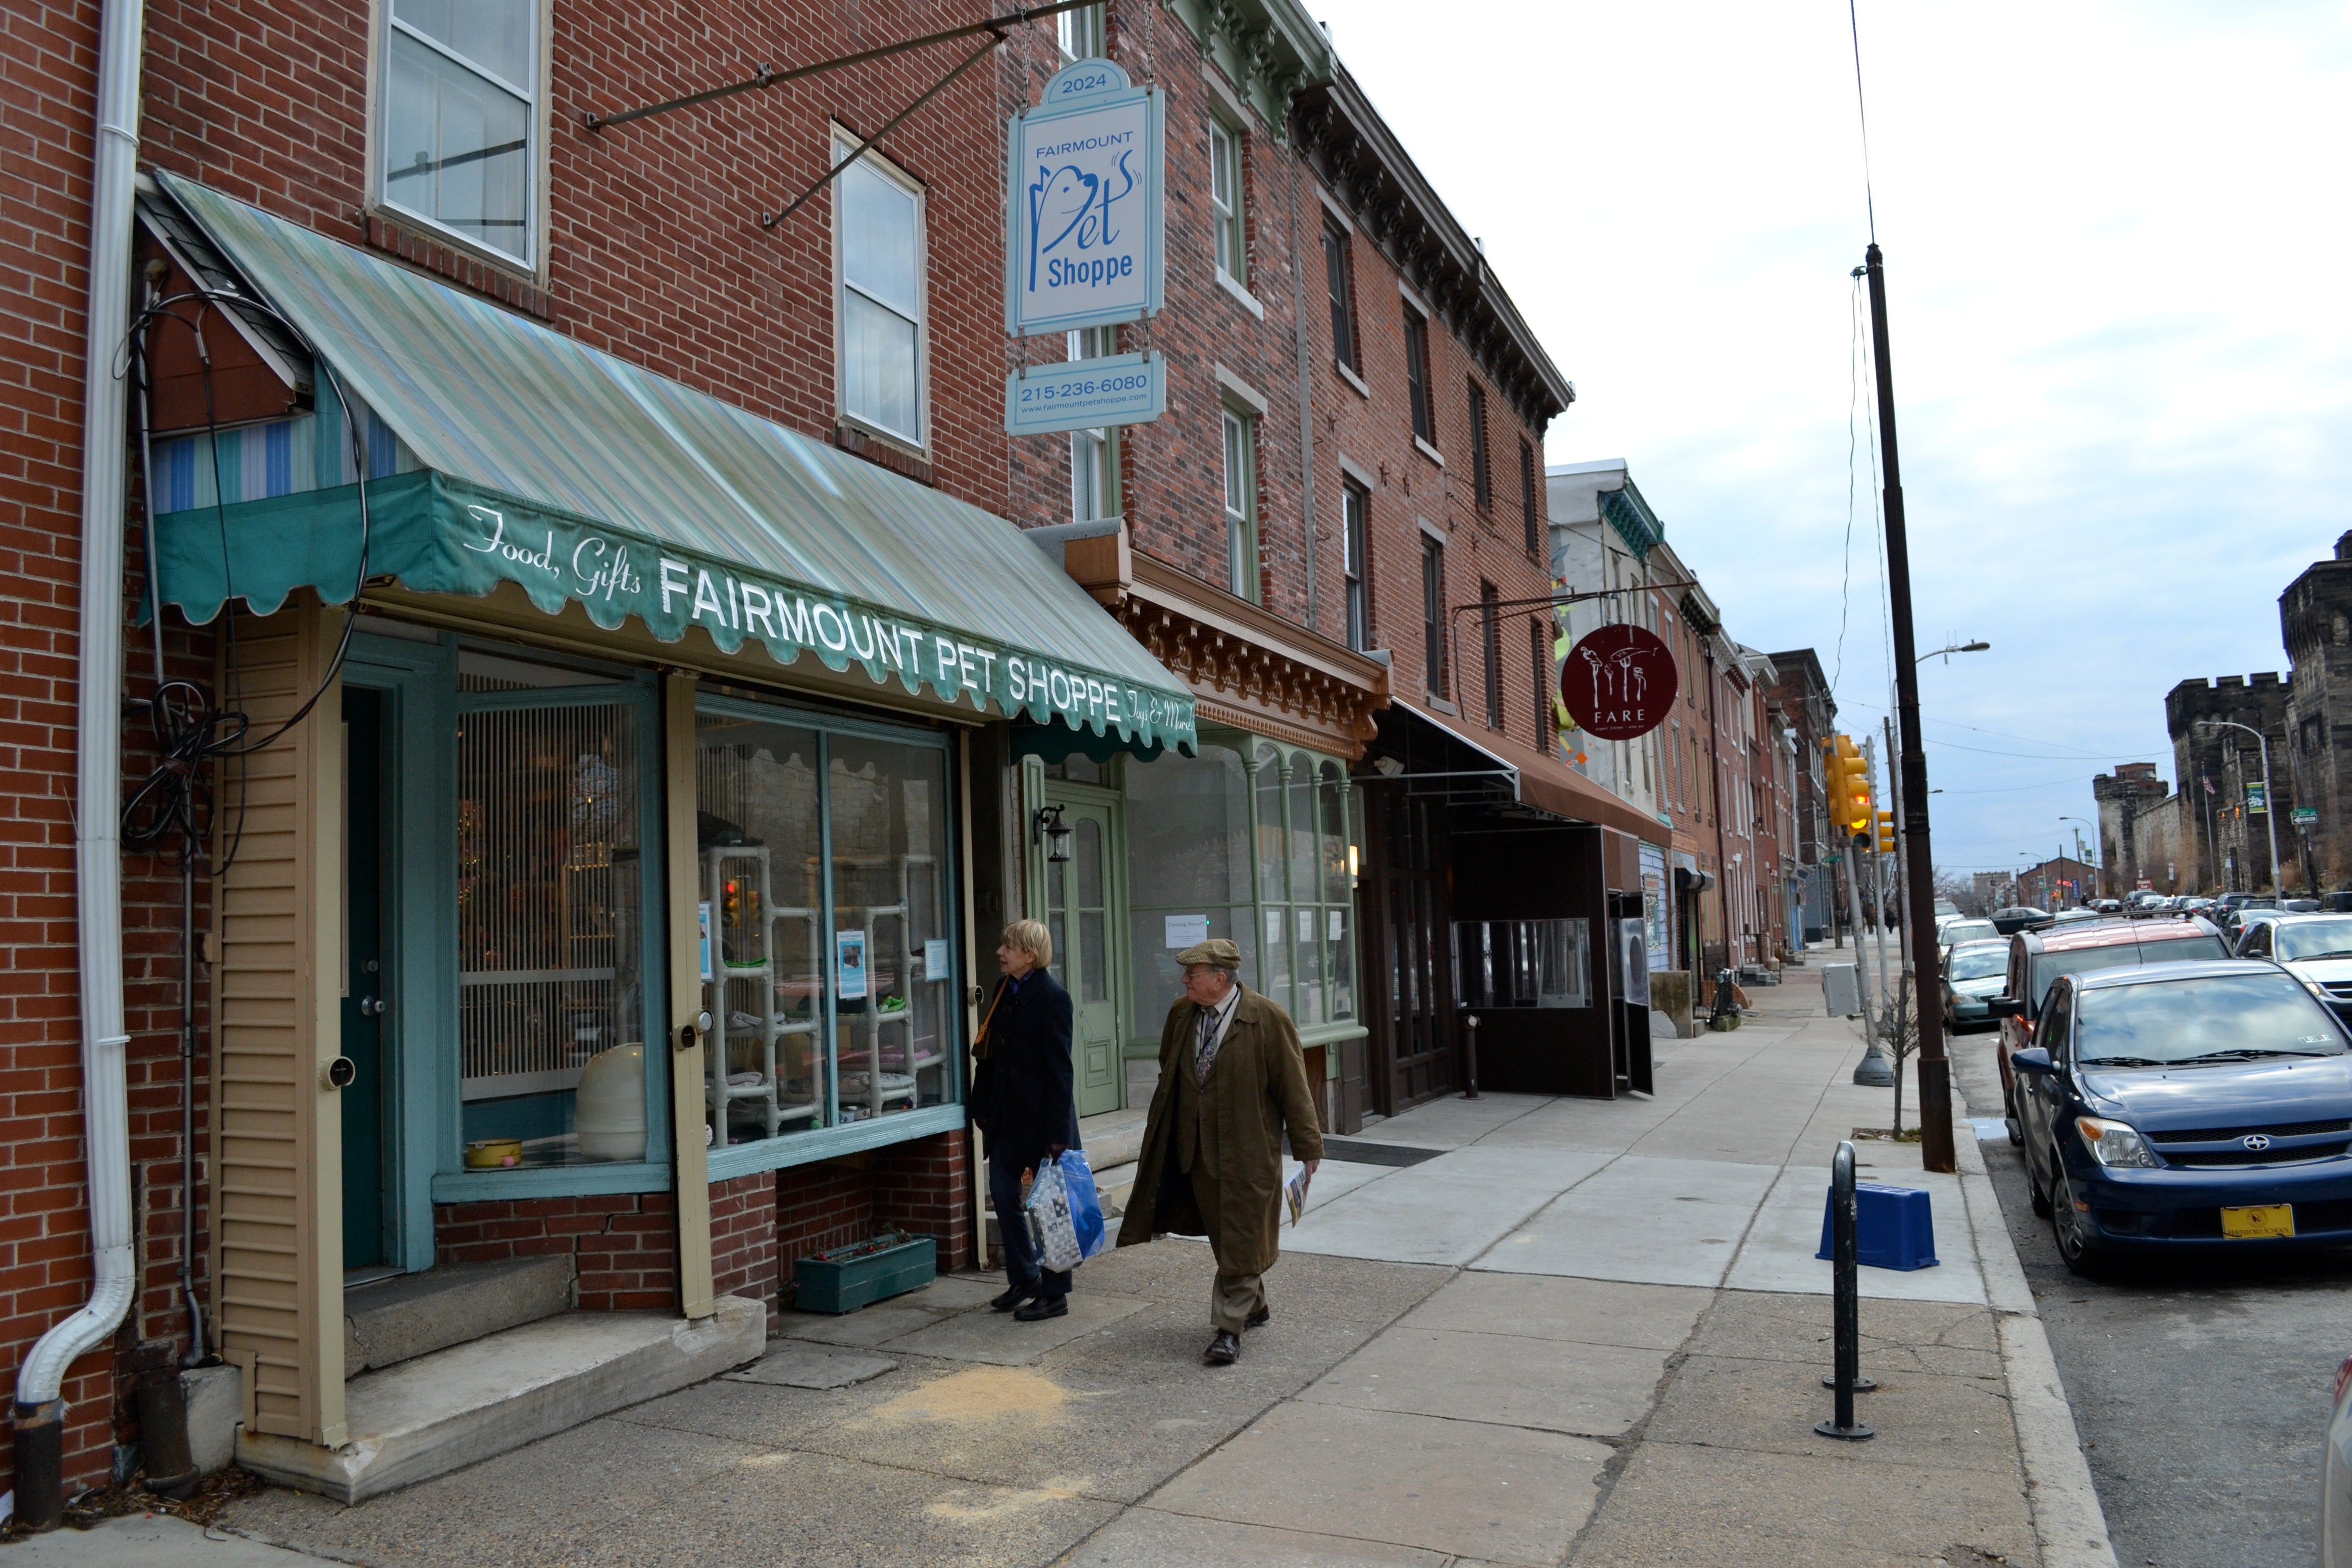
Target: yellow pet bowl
493 1154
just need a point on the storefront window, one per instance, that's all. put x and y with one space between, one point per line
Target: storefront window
1523 963
551 936
823 872
1189 856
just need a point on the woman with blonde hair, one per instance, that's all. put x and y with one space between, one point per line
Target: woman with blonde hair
1025 1102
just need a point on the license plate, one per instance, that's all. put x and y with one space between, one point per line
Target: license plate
2257 1220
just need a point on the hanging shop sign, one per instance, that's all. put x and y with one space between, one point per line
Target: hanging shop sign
1088 394
1083 213
1619 682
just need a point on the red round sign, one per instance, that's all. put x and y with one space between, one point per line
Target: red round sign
1619 682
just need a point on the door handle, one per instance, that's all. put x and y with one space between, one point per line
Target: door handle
373 1006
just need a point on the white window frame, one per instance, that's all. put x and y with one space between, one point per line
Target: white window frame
533 260
845 144
1238 446
1355 546
1228 215
1081 35
1094 453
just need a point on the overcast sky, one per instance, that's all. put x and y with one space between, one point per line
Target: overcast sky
2116 242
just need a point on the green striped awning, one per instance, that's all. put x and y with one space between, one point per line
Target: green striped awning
545 463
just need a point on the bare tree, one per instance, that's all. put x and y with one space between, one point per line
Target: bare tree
1902 1039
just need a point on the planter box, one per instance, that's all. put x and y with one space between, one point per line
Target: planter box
849 1277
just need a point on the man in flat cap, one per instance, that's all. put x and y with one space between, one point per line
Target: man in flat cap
1231 1080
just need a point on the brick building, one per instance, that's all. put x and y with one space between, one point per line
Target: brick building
2316 626
1803 699
2128 800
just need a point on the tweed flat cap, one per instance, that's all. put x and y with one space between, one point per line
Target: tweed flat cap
1218 951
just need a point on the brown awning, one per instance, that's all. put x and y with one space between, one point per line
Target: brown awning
1541 781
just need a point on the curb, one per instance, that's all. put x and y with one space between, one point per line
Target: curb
2068 1523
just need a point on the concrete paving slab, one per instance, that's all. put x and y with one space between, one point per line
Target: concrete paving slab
1959 1423
1945 1338
999 1340
1769 1510
1333 1180
864 1329
160 1542
1779 1254
1501 1493
1648 1221
1447 1210
1581 1311
795 1364
1548 1385
950 1293
1452 1122
1147 1538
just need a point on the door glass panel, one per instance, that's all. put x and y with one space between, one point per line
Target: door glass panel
1094 960
888 808
1308 926
1306 874
1340 962
551 936
760 873
1270 847
1332 840
1188 867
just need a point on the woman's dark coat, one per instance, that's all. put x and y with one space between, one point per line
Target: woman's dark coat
1023 1091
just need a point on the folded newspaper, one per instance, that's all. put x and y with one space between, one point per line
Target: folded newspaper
1293 1192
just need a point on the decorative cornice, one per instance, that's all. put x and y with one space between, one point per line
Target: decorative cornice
1270 49
1361 160
1251 667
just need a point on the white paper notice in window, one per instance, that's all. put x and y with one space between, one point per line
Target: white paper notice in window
1187 930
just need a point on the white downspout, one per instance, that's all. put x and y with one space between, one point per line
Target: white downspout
98 862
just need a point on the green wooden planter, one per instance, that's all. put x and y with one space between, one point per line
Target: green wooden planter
849 1277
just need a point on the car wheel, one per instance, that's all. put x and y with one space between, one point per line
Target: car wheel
2036 1191
2016 1128
2078 1245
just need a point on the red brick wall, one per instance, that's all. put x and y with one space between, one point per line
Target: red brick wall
923 1186
743 1240
623 1244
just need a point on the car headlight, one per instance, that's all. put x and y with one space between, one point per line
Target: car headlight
2114 1143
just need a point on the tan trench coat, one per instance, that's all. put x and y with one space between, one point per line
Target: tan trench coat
1256 1088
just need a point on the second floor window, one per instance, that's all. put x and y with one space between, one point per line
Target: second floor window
1225 202
459 108
1080 33
1432 613
1094 453
1482 473
880 236
1539 652
1241 503
1355 508
1527 500
1416 375
1490 639
1343 299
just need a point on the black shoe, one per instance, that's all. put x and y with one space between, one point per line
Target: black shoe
1258 1319
1044 1307
1012 1298
1224 1351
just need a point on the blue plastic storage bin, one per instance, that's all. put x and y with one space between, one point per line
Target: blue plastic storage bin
1893 1228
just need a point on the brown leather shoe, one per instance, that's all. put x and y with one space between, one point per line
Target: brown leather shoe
1224 1351
1258 1319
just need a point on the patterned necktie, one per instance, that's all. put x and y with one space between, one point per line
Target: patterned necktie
1205 1050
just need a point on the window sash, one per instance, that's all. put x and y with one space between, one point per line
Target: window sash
1224 198
1079 34
1492 641
879 306
1355 506
1343 304
469 166
1527 498
1240 504
1482 477
1416 375
1432 613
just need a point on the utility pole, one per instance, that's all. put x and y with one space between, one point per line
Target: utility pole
1936 1150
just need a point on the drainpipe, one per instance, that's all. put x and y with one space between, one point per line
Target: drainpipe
40 1411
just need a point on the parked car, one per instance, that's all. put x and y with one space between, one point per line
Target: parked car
2198 905
2186 1106
2299 906
2314 949
2017 918
1974 972
1952 934
2244 919
2108 905
2073 917
2037 958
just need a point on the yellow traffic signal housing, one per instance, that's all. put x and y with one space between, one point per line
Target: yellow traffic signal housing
1886 833
1847 776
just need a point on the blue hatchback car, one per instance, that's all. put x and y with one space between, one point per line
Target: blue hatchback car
2203 1105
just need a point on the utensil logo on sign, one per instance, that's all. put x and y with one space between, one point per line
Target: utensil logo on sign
1619 682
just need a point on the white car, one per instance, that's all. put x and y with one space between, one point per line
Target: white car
2314 949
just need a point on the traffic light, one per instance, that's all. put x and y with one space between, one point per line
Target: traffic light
1886 833
1847 777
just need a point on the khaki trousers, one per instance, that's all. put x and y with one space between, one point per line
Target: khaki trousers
1232 1297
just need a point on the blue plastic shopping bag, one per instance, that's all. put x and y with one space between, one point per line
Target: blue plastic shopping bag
1086 1204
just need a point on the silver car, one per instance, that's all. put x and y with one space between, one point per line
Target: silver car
2314 949
1974 972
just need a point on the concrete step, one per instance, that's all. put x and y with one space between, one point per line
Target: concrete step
1114 1137
437 1413
409 1315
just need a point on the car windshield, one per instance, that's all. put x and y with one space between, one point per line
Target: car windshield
2049 966
1959 931
2213 1018
2314 938
1980 962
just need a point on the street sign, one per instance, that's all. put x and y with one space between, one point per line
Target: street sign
1086 393
1085 204
2304 815
1619 682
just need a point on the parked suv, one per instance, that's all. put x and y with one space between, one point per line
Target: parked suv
2038 957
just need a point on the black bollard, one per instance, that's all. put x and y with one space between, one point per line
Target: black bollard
1470 1052
1846 1315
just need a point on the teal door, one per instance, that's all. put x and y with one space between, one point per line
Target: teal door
366 1244
1081 913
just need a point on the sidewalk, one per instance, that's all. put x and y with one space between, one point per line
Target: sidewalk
1512 1330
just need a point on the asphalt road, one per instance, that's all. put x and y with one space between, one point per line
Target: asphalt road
2201 1390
